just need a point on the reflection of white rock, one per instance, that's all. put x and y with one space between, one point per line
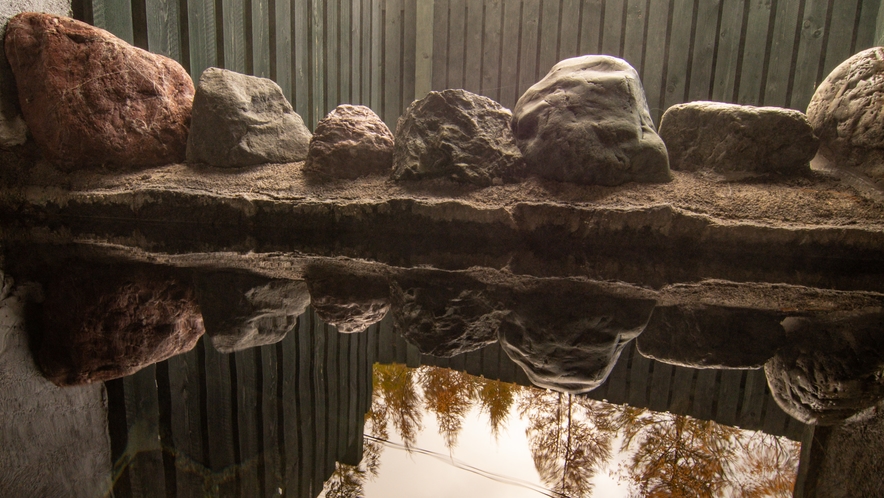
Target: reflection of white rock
53 440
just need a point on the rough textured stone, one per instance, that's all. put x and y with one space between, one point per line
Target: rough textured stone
704 336
241 120
350 142
832 368
13 130
568 335
445 314
737 138
102 323
846 113
351 302
458 135
89 98
242 311
587 121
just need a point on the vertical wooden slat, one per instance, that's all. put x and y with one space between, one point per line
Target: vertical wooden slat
201 26
810 51
634 36
679 60
366 56
142 417
639 376
491 361
727 60
301 66
871 26
334 391
347 389
386 339
509 57
261 38
456 39
591 27
284 53
377 47
774 418
247 415
704 394
617 378
320 403
346 60
754 52
612 27
473 362
356 40
409 54
682 384
424 62
114 16
162 28
840 30
184 384
219 419
704 50
729 397
332 59
661 384
654 64
548 40
570 30
754 394
234 35
318 59
473 50
300 470
780 66
440 45
528 70
270 414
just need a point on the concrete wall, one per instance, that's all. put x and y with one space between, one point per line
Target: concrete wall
53 441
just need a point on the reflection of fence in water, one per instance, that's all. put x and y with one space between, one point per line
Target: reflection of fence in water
244 424
279 416
383 53
731 397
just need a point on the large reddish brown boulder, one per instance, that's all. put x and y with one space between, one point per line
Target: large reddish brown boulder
90 98
351 141
102 323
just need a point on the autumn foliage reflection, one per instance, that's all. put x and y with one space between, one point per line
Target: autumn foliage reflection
573 438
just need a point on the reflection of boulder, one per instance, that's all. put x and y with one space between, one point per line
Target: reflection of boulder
349 301
107 322
567 335
708 336
241 311
832 368
445 314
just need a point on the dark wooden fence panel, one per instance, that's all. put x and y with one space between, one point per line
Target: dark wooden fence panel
385 53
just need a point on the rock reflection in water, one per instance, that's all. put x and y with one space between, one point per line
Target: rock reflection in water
572 439
241 310
567 335
105 322
832 368
348 300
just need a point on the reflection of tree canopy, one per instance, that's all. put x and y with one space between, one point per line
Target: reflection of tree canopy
448 394
679 456
395 399
496 399
570 438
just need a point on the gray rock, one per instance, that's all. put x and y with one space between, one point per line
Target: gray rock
568 335
351 302
587 121
832 368
458 135
845 113
241 120
350 142
242 311
737 138
706 336
445 314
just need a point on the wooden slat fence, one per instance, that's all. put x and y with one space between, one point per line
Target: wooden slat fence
384 53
